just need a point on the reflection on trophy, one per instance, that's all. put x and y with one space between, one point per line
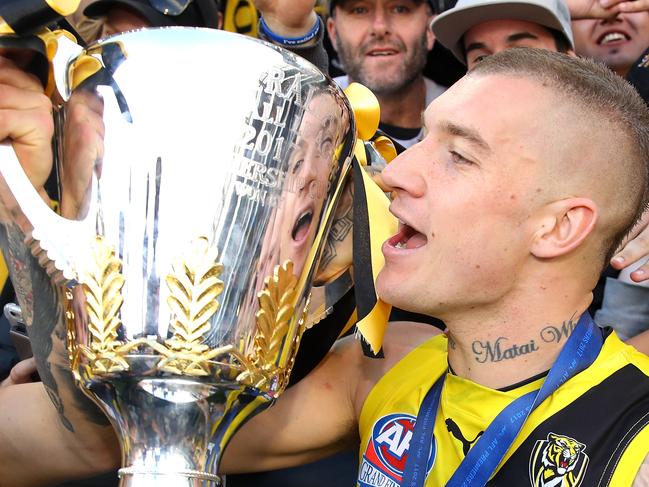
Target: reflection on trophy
189 232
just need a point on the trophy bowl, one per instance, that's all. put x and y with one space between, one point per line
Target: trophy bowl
196 191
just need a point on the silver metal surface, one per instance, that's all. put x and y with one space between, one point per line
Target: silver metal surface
198 173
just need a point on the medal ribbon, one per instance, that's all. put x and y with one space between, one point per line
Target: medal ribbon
579 352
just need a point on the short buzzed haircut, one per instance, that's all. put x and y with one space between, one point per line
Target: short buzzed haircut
597 90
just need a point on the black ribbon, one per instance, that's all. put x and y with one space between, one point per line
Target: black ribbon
27 16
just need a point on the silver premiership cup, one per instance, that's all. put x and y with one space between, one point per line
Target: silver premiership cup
198 173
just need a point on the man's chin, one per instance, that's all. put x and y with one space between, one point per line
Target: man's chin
388 289
384 82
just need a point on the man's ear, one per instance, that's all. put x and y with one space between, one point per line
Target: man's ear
562 226
331 30
430 36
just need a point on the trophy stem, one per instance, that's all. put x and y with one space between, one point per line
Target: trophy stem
172 430
134 477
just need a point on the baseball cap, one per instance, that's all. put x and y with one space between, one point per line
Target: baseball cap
450 26
333 3
191 15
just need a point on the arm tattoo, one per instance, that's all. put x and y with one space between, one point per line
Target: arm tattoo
498 350
47 310
41 304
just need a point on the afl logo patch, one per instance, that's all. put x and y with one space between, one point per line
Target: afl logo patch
385 457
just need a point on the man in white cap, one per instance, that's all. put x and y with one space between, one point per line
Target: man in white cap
477 28
474 29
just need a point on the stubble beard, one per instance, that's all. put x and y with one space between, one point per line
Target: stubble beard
384 83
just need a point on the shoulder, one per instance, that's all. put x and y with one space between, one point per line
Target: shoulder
401 338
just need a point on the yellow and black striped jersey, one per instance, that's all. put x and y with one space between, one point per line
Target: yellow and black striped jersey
593 431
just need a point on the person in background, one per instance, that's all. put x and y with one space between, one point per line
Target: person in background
618 41
384 44
474 29
123 15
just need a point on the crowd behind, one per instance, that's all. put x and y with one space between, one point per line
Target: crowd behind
408 52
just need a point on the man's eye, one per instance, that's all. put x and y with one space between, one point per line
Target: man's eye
458 159
297 165
401 9
358 10
482 57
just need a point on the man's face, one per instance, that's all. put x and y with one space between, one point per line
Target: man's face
382 44
617 42
468 195
122 20
310 166
498 35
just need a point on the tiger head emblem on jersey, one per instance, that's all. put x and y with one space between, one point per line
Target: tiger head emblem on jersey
559 461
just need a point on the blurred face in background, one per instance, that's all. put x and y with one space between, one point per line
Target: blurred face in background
122 20
616 42
495 36
382 44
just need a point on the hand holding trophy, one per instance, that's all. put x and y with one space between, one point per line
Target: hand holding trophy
194 205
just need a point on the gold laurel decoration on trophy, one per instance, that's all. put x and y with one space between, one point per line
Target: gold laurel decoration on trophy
102 284
194 285
273 319
301 328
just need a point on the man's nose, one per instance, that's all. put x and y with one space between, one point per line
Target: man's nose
308 174
380 22
612 20
403 174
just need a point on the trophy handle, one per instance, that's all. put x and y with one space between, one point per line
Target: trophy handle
59 243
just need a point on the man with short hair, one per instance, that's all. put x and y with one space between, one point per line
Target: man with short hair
509 209
384 44
474 29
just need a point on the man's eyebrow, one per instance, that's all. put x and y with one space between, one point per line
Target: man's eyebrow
519 36
467 133
474 46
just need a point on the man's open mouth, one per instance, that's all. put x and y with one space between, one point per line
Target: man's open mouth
613 37
408 238
302 225
382 51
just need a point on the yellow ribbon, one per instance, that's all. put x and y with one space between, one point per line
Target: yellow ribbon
381 222
51 41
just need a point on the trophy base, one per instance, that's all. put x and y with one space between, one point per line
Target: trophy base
134 477
172 428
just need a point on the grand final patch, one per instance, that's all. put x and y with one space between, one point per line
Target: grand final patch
387 451
559 461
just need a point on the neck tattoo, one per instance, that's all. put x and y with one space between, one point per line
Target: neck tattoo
503 349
